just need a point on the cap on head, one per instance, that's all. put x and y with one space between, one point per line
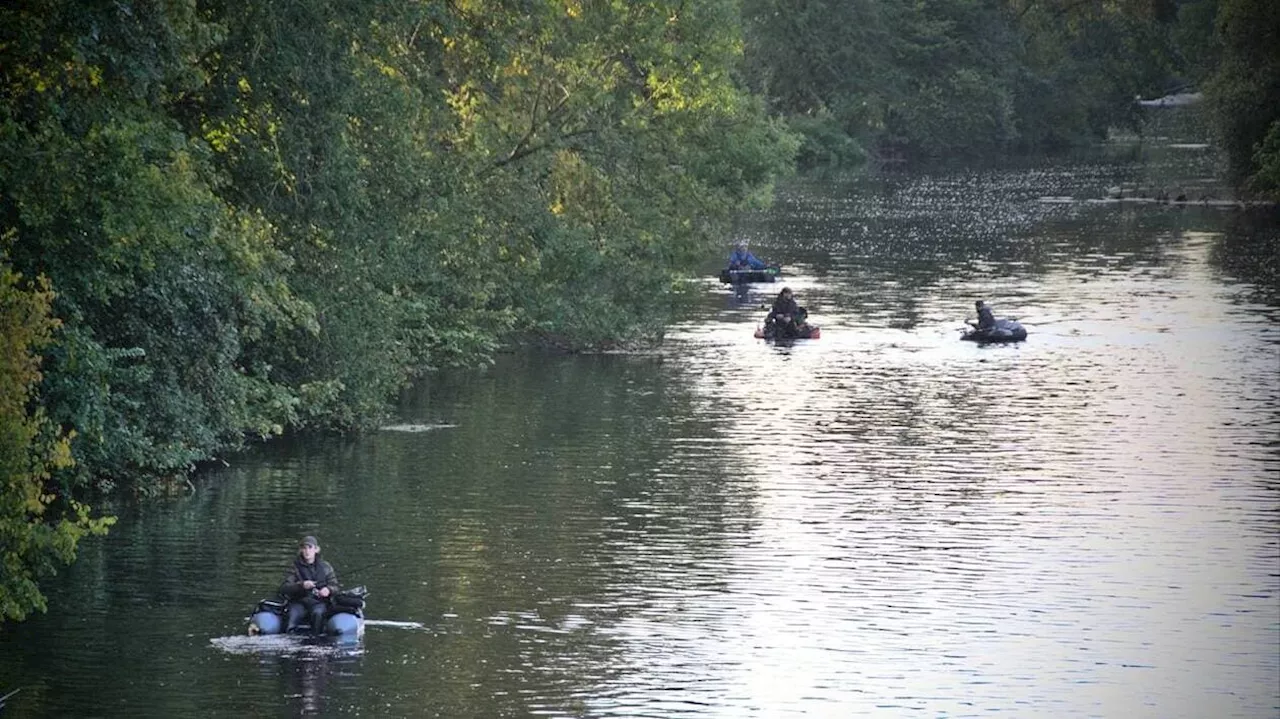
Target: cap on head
741 243
309 541
978 303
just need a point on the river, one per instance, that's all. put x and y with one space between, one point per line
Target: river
884 522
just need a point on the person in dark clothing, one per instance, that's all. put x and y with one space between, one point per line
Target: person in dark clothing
786 318
308 586
986 319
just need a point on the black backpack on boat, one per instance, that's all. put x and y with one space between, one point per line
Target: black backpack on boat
347 600
350 600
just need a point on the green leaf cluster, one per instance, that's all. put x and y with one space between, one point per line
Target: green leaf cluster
1244 90
40 526
888 80
161 282
927 79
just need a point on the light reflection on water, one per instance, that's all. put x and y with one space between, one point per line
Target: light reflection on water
883 522
1081 524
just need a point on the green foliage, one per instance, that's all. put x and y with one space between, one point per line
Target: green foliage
962 78
1245 91
1266 180
827 66
922 78
824 142
264 215
460 173
161 283
330 118
1081 68
39 526
1195 42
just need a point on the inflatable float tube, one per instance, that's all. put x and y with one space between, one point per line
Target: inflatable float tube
810 332
345 620
738 277
1004 331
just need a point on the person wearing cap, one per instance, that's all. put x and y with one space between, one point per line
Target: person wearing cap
308 586
986 318
742 259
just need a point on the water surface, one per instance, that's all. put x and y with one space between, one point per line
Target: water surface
884 522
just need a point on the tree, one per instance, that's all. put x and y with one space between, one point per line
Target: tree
40 526
955 78
160 283
1244 93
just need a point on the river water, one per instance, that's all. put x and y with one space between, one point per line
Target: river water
884 522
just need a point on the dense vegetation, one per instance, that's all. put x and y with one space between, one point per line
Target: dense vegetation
221 220
32 537
894 81
1244 86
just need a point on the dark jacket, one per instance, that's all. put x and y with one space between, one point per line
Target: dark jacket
321 572
985 317
784 306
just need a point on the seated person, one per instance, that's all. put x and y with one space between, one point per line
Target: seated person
786 318
308 586
986 320
742 259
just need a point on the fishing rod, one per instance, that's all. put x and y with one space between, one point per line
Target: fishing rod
364 568
354 596
358 590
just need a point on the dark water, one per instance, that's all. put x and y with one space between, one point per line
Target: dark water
884 522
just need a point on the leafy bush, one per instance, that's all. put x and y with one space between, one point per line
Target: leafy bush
40 525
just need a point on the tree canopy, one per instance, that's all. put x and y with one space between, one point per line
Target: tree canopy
969 78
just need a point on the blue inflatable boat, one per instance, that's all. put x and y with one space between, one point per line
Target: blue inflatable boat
344 620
